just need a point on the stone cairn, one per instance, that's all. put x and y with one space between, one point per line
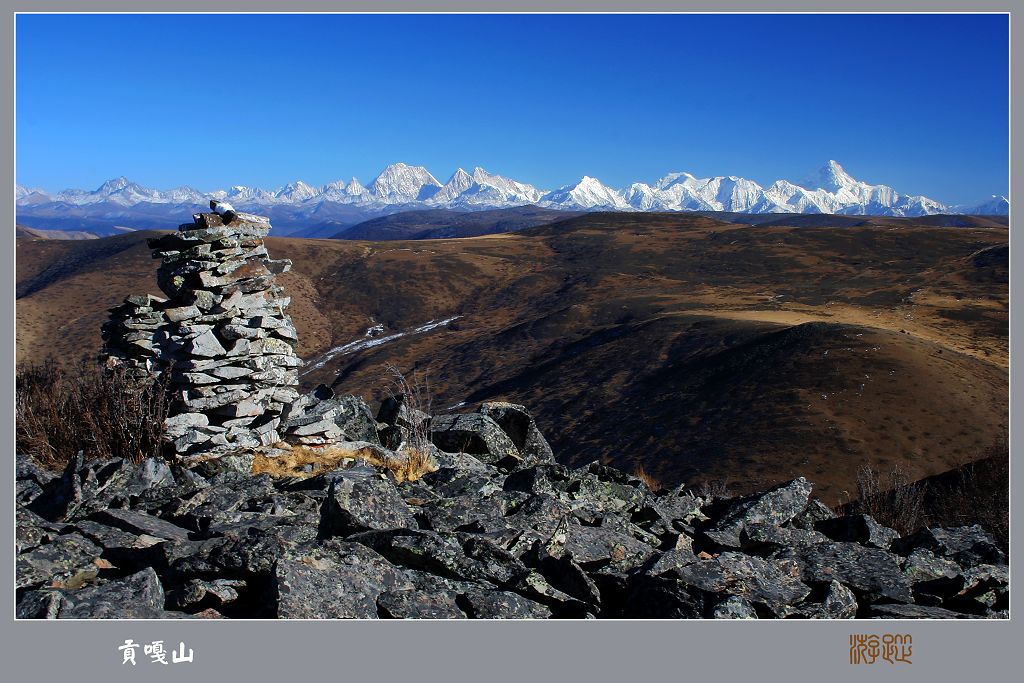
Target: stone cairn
222 333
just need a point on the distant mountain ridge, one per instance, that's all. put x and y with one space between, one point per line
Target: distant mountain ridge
401 187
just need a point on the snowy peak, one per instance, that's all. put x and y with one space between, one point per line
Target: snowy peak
297 192
401 184
832 177
588 193
456 185
833 190
995 205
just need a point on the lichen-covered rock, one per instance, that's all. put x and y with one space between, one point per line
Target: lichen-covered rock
497 604
415 604
333 580
871 572
69 560
734 607
477 435
904 611
356 504
139 596
775 506
518 424
753 578
966 545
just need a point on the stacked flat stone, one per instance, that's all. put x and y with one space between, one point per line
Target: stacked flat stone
128 336
227 337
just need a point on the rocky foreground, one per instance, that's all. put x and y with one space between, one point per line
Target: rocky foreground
497 530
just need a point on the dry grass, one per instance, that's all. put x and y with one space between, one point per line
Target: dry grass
652 482
104 413
293 461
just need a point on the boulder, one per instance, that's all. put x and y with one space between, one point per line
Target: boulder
839 602
872 573
967 545
498 604
139 596
140 523
415 604
69 560
518 424
733 607
477 435
356 504
752 578
333 580
776 506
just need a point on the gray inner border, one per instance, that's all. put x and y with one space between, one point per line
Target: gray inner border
492 651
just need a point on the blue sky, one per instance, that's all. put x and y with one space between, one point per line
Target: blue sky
918 102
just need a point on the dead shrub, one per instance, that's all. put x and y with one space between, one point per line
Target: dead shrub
894 501
977 493
714 489
105 413
414 393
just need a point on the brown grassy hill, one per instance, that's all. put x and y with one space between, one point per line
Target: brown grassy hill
697 348
23 231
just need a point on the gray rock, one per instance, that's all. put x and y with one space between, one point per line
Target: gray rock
533 586
233 462
899 611
62 496
139 523
497 604
32 531
967 545
120 547
567 576
776 506
139 596
764 538
477 435
753 578
69 560
206 345
356 504
924 566
549 478
455 556
466 513
415 604
870 572
333 580
40 604
518 424
593 547
733 607
595 496
182 423
839 603
27 469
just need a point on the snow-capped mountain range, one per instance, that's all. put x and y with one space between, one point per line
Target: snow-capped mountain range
401 186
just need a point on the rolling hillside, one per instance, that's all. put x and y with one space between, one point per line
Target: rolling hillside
698 348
